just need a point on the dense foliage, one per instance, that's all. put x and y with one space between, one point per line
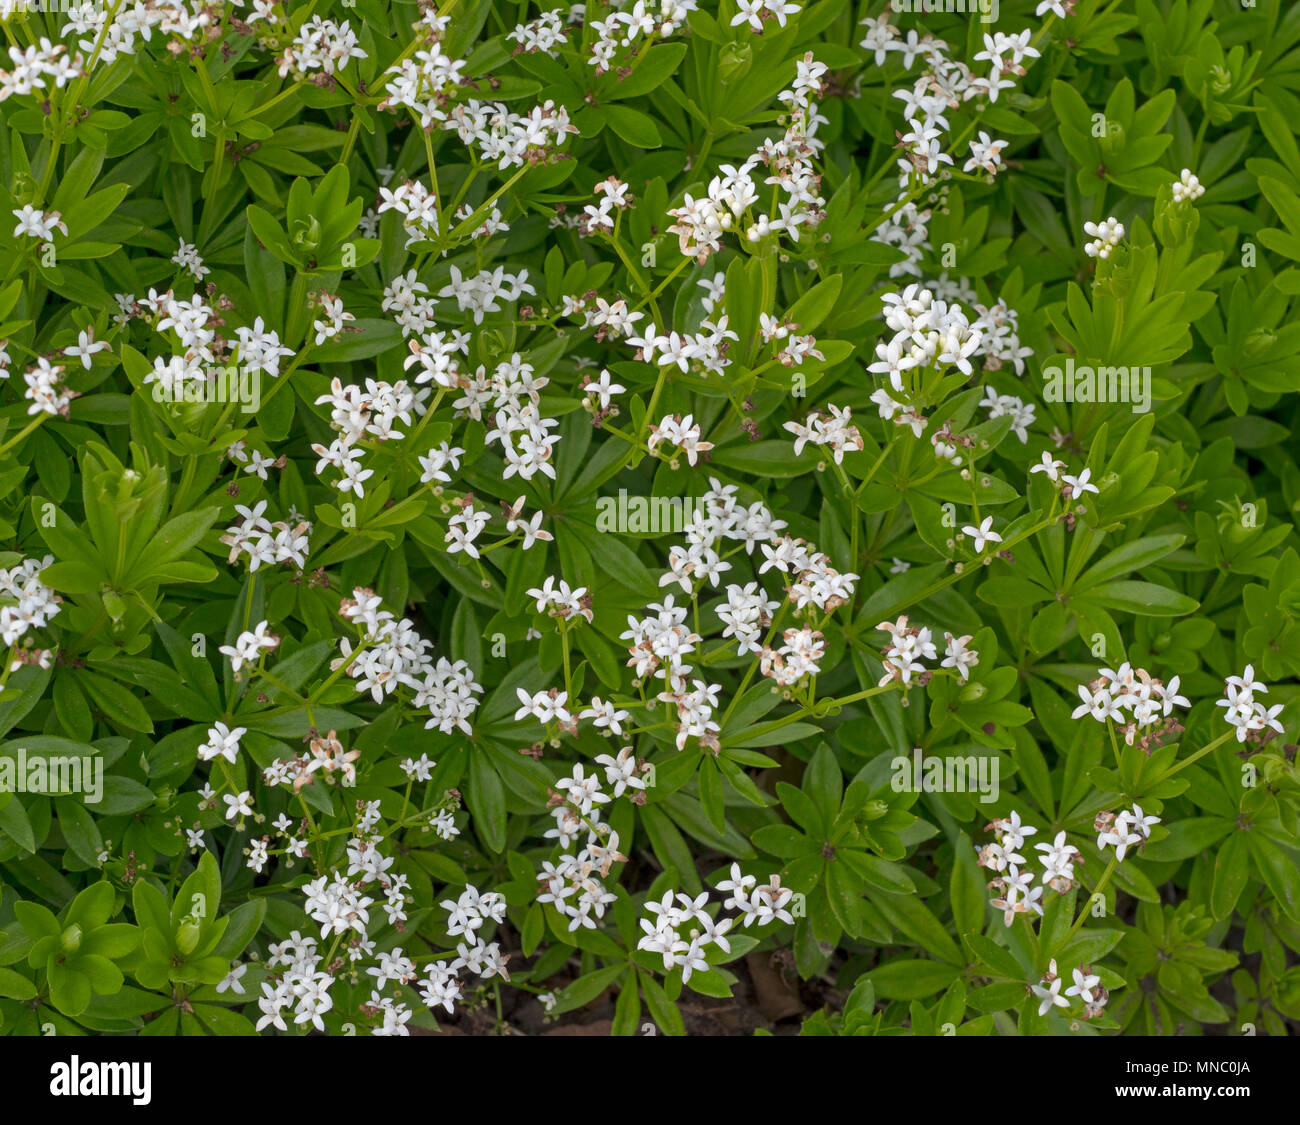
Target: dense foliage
512 506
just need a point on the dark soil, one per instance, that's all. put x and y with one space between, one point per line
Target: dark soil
766 999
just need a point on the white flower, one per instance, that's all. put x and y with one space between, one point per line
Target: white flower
545 706
1187 188
604 714
1084 986
85 347
1143 824
1098 704
222 742
1050 996
1106 236
1077 486
38 224
957 655
419 769
1013 832
238 804
1050 466
249 646
232 979
983 534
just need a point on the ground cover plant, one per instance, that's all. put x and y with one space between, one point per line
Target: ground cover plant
521 516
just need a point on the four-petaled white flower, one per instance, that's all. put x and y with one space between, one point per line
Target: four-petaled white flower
983 534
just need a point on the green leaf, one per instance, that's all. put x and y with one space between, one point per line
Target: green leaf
486 800
907 978
586 988
374 337
244 922
824 783
663 1011
909 914
632 125
118 703
15 986
784 842
176 537
1279 873
69 989
1143 598
815 305
15 823
1231 870
966 890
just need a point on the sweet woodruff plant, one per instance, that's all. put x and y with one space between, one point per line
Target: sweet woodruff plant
350 353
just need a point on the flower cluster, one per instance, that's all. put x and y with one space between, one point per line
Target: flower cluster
555 599
731 197
302 981
1086 987
36 604
187 257
1072 487
107 31
1123 830
572 881
1016 895
683 930
627 33
1247 715
1022 414
47 389
33 66
1131 697
834 430
911 645
326 756
429 84
38 224
266 542
250 645
320 45
680 433
704 351
943 84
1187 188
358 414
932 331
1143 705
392 654
615 196
1105 237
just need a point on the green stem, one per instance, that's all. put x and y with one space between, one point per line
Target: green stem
1200 753
1083 914
27 429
